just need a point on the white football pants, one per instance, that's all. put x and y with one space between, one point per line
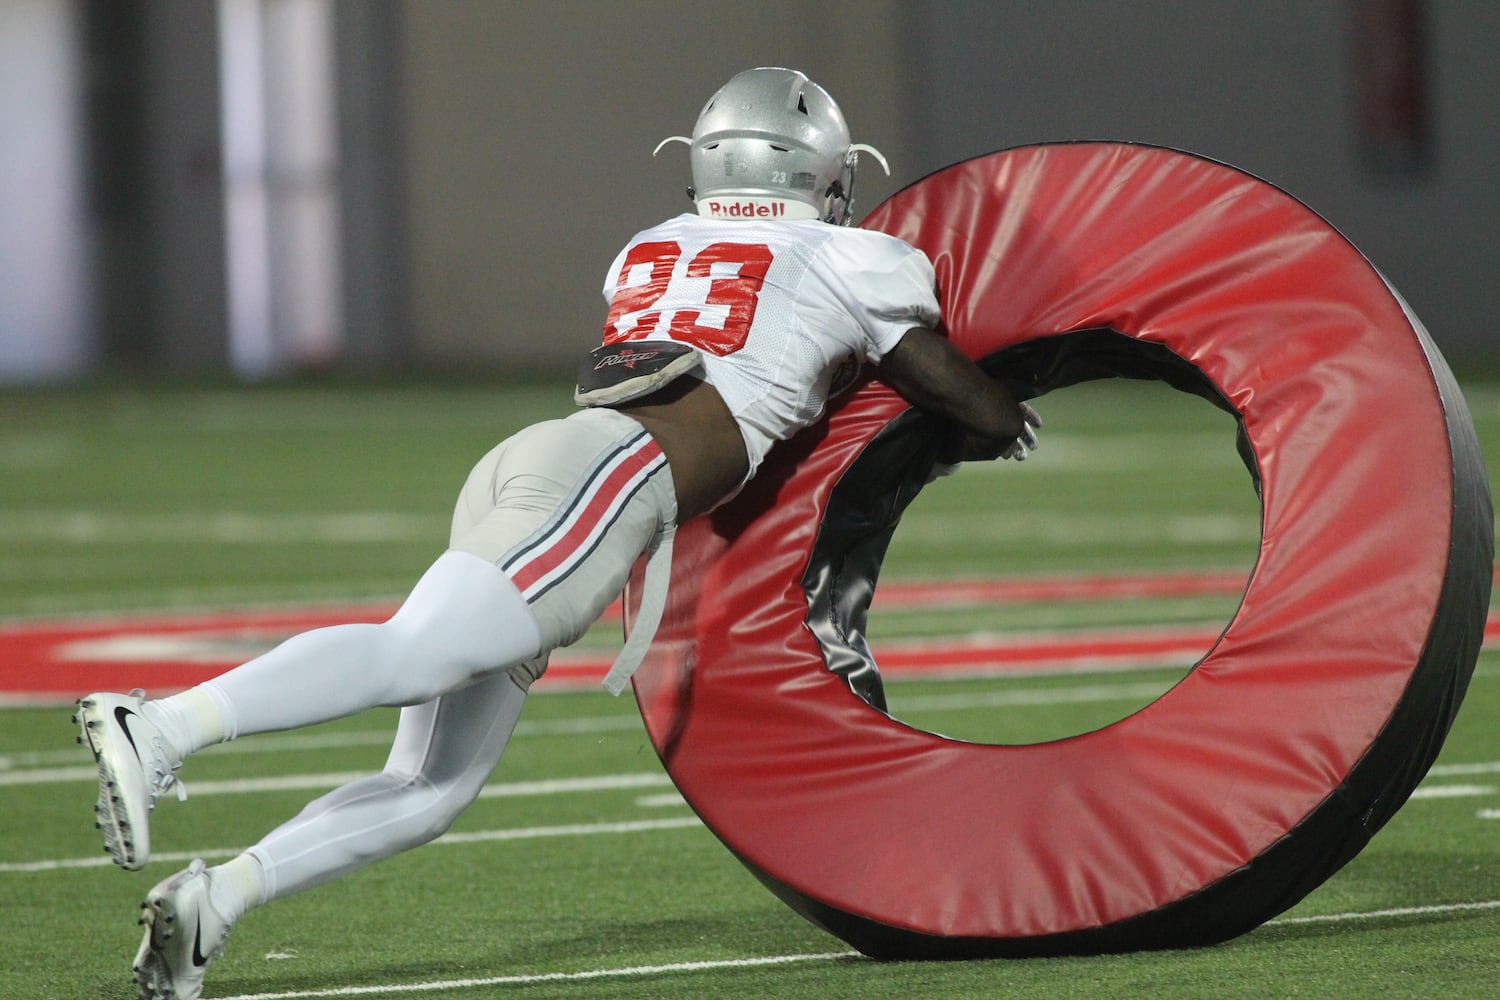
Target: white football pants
443 753
544 536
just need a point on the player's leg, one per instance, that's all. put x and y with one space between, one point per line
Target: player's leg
443 753
463 619
578 560
545 493
330 672
563 508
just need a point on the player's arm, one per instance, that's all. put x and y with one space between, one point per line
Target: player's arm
929 372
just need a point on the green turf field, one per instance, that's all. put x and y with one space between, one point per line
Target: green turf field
124 499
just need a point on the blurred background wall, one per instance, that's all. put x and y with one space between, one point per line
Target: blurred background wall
264 187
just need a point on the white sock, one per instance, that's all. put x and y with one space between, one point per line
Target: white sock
191 720
236 886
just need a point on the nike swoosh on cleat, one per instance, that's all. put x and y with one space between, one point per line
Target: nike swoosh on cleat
199 961
121 713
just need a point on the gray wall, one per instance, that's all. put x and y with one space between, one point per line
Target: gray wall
530 128
1267 86
495 153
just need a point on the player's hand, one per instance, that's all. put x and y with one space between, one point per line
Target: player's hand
975 448
1031 422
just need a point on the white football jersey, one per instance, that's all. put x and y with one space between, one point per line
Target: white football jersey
783 313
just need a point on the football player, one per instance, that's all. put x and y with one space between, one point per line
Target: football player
726 329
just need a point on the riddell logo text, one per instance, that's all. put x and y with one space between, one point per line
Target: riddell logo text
746 210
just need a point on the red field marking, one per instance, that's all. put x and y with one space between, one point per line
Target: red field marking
61 660
56 661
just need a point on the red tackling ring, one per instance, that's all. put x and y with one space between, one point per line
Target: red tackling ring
1273 761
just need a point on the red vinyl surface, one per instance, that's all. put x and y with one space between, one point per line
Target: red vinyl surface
833 802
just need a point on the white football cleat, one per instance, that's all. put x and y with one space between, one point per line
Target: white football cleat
183 934
136 764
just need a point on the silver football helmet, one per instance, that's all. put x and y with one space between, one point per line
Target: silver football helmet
771 144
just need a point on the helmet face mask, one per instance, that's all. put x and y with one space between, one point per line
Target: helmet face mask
772 144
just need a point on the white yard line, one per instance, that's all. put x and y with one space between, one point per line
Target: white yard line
86 526
39 767
590 724
314 781
304 742
1399 911
1452 791
1458 770
553 977
632 971
450 839
1025 696
558 786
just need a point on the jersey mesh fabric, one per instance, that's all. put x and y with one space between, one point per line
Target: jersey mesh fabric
771 341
